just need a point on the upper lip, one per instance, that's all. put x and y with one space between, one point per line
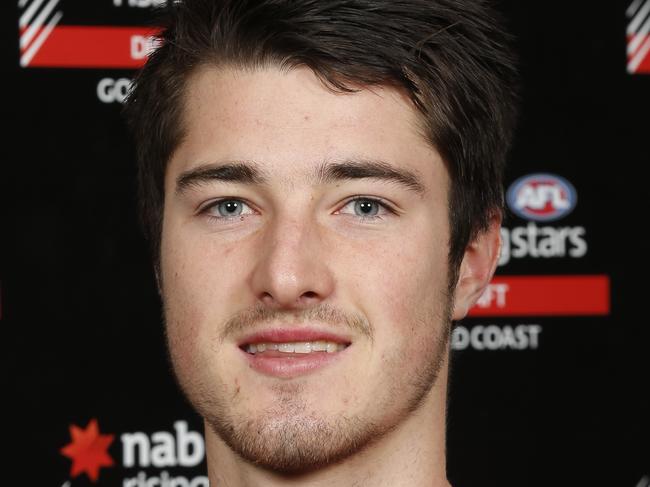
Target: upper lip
286 335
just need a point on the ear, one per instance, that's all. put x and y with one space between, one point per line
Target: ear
477 268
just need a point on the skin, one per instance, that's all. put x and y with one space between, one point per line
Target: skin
299 253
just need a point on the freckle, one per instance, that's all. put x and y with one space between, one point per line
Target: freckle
306 117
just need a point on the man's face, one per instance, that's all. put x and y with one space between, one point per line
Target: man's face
296 259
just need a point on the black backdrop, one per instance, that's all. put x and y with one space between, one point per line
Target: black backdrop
565 402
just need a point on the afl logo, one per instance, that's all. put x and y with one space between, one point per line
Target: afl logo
542 197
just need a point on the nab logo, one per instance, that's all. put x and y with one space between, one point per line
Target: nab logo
88 450
542 197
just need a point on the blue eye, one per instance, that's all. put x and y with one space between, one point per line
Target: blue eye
229 207
368 209
226 209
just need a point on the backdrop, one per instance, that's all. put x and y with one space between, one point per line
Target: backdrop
549 382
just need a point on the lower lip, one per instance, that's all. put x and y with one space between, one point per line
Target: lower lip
293 365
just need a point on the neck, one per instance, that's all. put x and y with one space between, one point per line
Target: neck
412 454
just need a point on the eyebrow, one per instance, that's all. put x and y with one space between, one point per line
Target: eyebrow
251 173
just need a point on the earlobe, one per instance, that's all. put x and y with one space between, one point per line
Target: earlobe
477 268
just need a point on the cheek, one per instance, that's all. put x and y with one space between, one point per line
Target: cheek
190 288
400 281
184 288
197 274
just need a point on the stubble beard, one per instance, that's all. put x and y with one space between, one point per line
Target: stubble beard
288 438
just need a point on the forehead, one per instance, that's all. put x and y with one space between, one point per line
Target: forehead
289 123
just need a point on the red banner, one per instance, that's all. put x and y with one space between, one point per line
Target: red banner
70 46
638 52
545 296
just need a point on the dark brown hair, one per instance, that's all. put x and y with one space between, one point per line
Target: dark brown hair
452 58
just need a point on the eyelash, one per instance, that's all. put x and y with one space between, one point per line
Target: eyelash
366 219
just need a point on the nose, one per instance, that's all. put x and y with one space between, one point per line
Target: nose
291 270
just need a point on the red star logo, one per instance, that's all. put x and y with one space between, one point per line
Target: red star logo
88 450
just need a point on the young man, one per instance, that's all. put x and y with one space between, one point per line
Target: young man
321 185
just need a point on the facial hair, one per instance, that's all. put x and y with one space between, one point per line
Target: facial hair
288 437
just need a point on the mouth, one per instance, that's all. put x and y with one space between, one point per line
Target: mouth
293 348
291 353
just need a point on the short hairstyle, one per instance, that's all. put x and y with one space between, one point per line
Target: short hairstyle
452 58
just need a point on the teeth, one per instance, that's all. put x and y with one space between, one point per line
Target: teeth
296 347
304 347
